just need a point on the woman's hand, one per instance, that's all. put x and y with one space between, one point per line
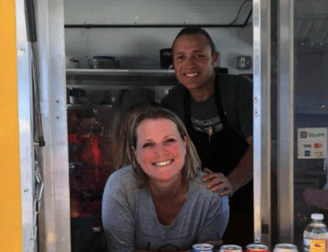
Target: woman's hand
217 182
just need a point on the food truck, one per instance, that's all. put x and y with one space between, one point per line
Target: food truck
67 64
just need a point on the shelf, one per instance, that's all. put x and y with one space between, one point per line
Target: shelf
88 106
121 77
121 72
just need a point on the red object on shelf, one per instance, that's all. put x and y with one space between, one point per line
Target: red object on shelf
92 153
73 139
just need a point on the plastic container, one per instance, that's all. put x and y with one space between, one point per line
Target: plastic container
315 235
104 62
72 62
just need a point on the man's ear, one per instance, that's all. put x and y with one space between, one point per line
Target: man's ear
215 58
172 65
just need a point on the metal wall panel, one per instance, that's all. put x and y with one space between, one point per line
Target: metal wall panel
261 115
285 152
54 221
25 111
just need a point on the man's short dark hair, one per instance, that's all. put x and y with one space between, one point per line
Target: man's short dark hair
196 30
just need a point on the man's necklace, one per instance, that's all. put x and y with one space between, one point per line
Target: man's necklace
209 131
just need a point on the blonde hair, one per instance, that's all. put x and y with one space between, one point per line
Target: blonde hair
126 140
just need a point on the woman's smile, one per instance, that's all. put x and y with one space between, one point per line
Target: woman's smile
167 162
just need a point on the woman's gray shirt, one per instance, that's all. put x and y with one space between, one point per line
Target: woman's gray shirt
130 221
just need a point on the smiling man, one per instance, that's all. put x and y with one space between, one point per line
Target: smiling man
217 111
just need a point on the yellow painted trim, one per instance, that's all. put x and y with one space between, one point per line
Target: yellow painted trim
10 196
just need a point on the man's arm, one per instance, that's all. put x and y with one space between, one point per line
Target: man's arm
242 103
243 173
240 176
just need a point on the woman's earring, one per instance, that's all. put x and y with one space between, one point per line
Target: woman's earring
134 151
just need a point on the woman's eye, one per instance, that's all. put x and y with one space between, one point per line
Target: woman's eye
170 140
147 145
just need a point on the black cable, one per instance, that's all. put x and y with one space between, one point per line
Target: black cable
239 11
30 21
32 38
36 99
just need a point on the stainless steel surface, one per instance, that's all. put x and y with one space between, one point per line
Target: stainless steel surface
89 26
285 151
134 13
119 77
25 111
54 220
311 29
261 116
120 72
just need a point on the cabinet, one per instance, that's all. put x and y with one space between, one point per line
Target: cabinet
95 100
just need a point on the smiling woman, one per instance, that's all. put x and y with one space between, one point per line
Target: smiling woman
127 139
160 150
159 201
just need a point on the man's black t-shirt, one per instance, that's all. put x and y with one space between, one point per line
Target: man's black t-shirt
204 115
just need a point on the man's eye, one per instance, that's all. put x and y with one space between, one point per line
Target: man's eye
180 57
199 55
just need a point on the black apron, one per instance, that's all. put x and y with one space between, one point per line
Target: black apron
222 154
